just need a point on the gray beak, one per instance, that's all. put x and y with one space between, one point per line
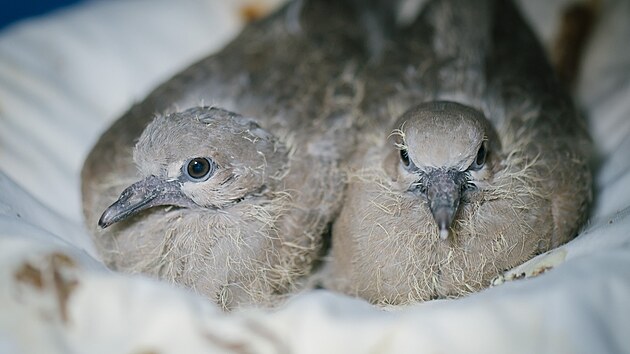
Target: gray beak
444 193
147 193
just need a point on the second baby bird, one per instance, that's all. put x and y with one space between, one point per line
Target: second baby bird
474 159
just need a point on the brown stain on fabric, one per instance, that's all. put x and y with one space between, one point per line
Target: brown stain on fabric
576 25
51 274
253 11
30 275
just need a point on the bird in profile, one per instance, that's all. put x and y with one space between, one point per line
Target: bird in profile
477 163
232 199
204 212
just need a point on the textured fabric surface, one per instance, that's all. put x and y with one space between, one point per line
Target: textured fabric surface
64 77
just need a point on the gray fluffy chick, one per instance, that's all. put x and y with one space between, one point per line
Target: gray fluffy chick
476 162
233 201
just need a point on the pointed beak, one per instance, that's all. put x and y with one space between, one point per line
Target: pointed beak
147 193
444 193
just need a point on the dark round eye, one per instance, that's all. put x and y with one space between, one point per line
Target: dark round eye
480 160
199 168
404 157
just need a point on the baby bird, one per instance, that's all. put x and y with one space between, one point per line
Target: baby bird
441 171
233 202
479 163
204 212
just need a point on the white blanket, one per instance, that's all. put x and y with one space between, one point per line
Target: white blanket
66 76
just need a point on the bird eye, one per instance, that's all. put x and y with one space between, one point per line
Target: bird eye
480 160
404 157
199 168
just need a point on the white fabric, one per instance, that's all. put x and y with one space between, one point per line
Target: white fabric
66 76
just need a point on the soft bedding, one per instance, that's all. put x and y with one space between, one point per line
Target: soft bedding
65 76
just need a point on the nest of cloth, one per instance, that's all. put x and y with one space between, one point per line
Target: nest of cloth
66 76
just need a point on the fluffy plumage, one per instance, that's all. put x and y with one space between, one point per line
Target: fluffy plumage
250 227
474 159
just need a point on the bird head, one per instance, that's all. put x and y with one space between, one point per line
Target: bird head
441 150
203 157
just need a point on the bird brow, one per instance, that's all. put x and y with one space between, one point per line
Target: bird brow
398 132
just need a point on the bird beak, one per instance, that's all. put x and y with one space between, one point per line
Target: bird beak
443 193
147 193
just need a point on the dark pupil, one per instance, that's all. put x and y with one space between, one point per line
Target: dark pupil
481 155
198 167
404 156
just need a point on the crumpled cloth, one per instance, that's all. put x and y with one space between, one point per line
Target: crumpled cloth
66 76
